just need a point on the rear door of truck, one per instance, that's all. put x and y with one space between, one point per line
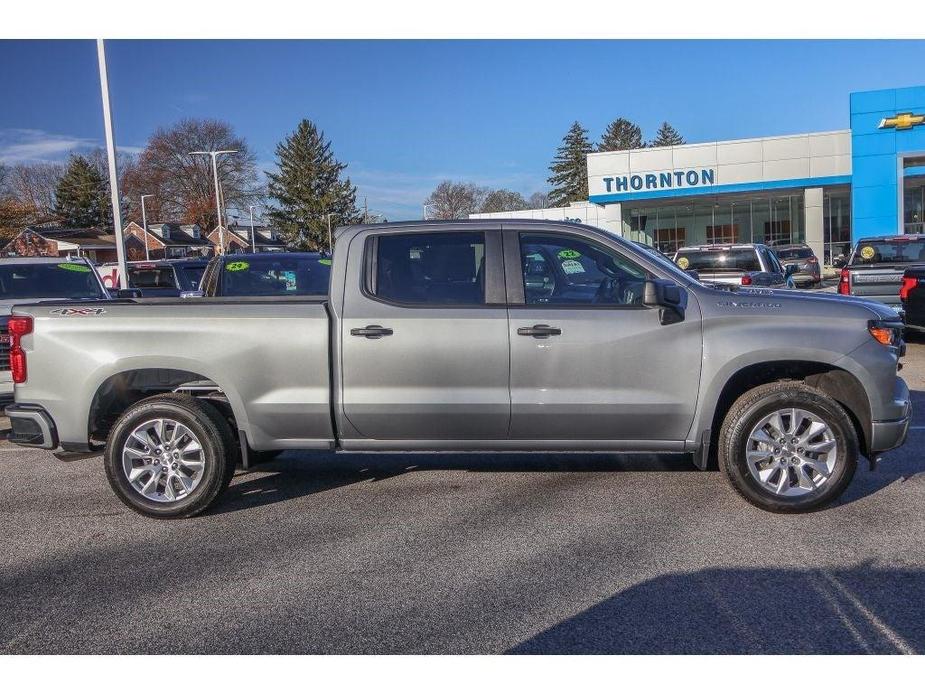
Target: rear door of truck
424 335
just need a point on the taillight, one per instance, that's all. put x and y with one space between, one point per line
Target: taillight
18 326
746 279
909 283
844 285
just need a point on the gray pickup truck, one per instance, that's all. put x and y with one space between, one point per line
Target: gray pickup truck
874 269
468 336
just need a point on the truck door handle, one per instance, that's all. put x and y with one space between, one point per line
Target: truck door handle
539 331
373 332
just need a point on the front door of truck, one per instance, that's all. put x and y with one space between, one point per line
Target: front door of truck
425 351
588 360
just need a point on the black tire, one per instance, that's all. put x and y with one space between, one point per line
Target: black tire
763 400
219 454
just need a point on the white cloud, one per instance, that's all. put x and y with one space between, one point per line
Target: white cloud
30 146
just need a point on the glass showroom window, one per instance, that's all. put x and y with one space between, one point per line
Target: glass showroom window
836 206
670 239
914 205
722 233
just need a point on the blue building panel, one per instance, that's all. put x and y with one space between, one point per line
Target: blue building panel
872 144
910 99
878 100
879 167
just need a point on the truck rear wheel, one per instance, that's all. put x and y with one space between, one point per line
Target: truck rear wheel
787 447
170 456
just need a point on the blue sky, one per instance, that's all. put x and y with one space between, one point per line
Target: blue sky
406 114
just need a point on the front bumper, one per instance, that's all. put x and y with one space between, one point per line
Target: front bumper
31 426
888 434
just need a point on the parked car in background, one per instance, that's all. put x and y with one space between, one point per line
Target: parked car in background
158 277
31 280
748 264
912 296
809 270
265 274
876 265
478 335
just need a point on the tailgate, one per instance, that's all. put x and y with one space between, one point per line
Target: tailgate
881 283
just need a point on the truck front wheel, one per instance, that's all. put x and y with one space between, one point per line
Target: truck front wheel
787 447
170 456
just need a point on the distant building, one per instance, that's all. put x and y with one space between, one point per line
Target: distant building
92 243
165 240
238 239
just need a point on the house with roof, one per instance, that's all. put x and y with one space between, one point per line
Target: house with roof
165 240
98 245
238 239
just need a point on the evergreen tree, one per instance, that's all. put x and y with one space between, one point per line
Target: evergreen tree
569 178
666 136
621 134
82 196
307 187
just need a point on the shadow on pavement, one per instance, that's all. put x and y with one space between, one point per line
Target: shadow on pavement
859 610
298 474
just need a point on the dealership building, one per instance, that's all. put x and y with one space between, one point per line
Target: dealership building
826 189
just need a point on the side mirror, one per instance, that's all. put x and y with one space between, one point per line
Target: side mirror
791 269
668 297
194 294
130 293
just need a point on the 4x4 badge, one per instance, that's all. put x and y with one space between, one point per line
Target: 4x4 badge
78 311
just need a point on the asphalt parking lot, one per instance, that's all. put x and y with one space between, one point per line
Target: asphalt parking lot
465 554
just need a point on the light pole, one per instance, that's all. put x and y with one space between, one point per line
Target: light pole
253 238
111 156
144 224
330 243
218 198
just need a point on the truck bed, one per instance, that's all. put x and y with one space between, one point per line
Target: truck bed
270 357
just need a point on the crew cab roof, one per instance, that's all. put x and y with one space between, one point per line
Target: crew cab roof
42 260
892 237
721 247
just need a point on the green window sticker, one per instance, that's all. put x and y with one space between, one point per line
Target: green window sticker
325 261
237 266
73 267
569 254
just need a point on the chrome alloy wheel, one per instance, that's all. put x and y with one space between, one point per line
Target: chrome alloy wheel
163 460
791 452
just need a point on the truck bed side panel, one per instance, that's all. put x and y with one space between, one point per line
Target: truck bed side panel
270 359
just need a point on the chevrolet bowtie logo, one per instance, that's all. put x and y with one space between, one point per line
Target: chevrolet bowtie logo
902 121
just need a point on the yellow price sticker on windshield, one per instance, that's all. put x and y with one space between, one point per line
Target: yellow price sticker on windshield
683 263
73 267
237 266
868 252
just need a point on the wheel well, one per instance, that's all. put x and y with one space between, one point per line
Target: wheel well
837 383
120 391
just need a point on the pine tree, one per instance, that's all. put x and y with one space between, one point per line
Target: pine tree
621 134
307 187
82 196
570 168
666 136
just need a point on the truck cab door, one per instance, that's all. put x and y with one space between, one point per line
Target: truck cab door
424 336
590 362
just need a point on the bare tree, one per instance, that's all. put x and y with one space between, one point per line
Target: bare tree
503 201
33 186
181 184
538 201
454 200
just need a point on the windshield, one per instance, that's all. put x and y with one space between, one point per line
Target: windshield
189 275
719 260
281 275
888 251
793 253
49 281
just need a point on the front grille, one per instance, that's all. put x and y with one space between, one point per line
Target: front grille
4 349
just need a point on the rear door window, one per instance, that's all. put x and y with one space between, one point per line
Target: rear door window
430 269
719 260
152 278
